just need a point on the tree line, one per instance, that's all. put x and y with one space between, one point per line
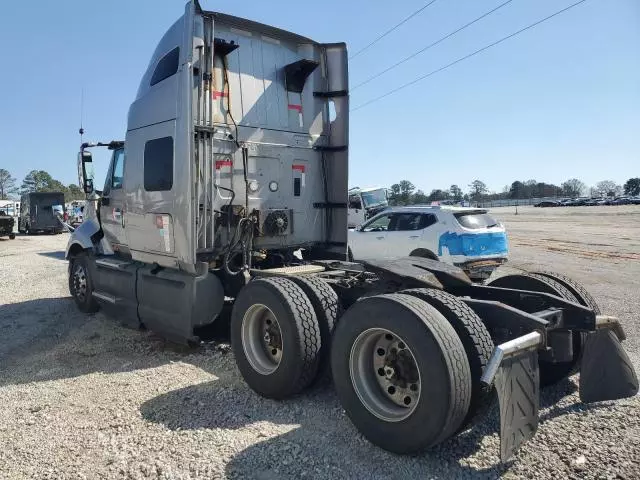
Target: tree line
405 192
36 181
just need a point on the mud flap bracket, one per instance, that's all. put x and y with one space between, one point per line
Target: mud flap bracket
513 369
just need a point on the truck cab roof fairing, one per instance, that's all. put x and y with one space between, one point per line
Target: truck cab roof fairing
171 39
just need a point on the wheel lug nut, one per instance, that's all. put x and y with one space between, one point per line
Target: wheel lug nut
380 352
381 372
413 387
407 400
391 390
388 336
401 346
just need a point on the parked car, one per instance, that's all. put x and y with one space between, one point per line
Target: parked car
547 203
469 238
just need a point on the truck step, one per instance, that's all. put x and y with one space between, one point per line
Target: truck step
296 270
105 297
113 263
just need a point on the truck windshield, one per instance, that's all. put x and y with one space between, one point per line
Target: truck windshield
476 219
374 197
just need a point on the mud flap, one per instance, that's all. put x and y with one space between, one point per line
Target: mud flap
606 373
517 384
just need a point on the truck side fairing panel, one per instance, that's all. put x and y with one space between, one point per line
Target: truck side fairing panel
158 220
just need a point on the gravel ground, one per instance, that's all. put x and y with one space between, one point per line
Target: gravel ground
83 397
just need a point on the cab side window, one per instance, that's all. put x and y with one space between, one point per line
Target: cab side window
115 177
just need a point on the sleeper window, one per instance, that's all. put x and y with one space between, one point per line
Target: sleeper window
167 66
158 164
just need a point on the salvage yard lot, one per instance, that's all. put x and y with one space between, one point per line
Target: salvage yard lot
82 397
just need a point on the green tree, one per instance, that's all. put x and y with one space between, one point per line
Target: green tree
394 194
632 186
401 192
477 189
36 181
41 181
437 195
419 197
456 192
517 190
7 184
74 193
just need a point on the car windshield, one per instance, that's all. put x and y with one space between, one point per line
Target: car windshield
475 219
374 197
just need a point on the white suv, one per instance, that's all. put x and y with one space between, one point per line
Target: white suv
469 238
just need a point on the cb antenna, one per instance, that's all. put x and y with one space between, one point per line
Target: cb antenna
81 131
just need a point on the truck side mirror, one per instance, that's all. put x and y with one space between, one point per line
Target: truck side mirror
85 171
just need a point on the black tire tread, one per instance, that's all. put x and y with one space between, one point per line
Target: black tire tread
562 291
90 305
455 357
579 292
326 305
330 303
307 326
475 338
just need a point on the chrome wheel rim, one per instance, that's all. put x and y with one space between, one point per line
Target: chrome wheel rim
80 282
262 339
385 375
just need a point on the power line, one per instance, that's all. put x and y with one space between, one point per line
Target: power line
487 47
392 29
379 74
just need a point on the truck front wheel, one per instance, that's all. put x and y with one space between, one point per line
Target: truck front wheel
400 372
81 283
275 337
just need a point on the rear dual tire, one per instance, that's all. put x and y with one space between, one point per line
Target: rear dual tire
475 339
281 332
400 372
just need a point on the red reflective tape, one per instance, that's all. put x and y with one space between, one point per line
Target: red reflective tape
217 95
223 163
300 168
295 107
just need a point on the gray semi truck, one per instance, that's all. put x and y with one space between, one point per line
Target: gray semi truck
232 182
